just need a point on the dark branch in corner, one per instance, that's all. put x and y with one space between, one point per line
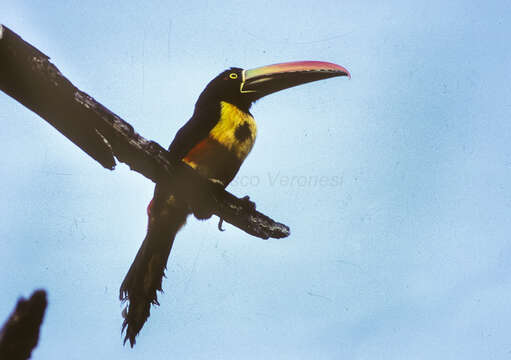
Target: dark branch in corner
20 333
28 76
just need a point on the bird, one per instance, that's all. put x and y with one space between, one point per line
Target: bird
214 142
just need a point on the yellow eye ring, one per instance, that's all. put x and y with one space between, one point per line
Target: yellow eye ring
233 75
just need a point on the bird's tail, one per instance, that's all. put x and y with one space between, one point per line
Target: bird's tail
145 275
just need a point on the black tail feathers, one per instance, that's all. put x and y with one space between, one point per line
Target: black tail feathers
144 278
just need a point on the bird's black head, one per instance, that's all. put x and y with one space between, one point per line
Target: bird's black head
242 87
226 87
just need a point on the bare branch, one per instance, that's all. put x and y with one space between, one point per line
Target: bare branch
27 75
20 333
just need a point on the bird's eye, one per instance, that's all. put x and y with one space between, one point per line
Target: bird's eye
233 75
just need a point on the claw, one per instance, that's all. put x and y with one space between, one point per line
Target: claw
220 222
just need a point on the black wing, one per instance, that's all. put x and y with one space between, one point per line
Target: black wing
194 131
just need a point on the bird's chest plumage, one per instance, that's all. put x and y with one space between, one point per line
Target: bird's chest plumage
228 143
236 130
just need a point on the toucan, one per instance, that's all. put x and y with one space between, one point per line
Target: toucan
215 141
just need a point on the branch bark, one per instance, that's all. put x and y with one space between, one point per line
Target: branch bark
20 333
27 75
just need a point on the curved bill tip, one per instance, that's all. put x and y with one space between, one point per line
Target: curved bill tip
321 66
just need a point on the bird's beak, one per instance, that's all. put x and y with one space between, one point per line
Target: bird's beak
265 80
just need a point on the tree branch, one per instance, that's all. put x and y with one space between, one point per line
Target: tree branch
20 333
27 75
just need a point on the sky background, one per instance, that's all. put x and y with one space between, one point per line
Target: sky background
402 253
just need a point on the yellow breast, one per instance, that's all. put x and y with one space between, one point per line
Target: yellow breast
236 130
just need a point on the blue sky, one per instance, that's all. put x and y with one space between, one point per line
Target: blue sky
403 253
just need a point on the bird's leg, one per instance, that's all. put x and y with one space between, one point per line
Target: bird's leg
205 212
221 185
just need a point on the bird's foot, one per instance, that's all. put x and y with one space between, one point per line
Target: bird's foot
247 202
250 204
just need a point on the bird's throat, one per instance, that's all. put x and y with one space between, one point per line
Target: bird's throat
236 130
